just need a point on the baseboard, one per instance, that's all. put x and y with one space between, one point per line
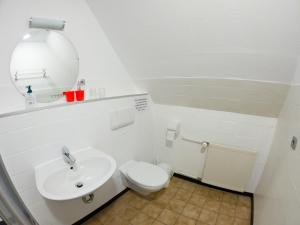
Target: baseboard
252 210
84 219
222 189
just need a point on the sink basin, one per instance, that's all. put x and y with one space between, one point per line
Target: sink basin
56 180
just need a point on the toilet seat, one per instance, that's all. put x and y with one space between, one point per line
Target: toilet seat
147 175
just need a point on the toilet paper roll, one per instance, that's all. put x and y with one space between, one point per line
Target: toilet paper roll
171 135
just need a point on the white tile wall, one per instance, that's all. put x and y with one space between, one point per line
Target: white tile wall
231 95
239 130
30 139
277 199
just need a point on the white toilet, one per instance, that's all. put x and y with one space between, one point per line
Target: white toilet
144 177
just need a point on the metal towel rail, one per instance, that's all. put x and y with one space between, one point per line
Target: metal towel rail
34 74
204 144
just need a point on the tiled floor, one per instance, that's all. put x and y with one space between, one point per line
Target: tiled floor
182 203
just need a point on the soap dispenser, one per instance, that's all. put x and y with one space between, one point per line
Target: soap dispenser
30 99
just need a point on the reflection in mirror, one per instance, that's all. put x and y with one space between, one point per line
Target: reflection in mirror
47 61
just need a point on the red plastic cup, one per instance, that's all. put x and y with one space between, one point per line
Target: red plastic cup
79 95
70 95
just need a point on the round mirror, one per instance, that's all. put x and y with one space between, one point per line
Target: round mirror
47 61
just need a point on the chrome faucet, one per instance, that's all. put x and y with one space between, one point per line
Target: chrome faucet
68 157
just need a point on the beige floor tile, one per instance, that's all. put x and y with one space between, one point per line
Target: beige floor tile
212 205
238 221
152 196
230 198
176 206
189 186
182 203
141 219
138 202
176 182
182 220
227 209
197 200
244 201
159 192
201 190
166 194
171 191
215 194
115 207
168 217
183 195
116 220
128 213
92 221
225 220
126 197
153 210
162 201
191 211
200 223
243 212
105 215
156 222
208 217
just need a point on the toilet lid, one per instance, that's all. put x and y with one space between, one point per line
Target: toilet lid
147 175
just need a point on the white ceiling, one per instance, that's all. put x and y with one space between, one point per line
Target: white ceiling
246 39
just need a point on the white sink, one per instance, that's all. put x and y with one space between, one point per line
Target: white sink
56 180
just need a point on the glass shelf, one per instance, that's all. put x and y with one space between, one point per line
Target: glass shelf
44 106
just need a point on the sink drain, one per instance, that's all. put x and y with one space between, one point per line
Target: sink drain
79 185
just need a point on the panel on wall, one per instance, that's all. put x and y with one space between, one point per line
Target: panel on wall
231 95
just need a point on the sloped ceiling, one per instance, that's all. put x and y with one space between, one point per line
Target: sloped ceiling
251 39
212 39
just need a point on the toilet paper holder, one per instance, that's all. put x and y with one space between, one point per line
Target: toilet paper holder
173 130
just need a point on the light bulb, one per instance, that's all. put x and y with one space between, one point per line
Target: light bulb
26 36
